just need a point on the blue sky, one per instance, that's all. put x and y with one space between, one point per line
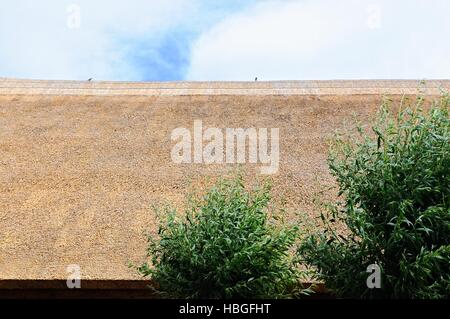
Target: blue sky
145 40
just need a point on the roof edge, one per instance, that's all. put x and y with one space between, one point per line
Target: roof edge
313 87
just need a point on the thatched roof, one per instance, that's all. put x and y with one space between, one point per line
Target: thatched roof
81 163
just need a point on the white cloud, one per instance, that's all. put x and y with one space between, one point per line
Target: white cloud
271 39
37 42
326 39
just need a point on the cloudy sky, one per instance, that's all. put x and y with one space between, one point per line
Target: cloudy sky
150 40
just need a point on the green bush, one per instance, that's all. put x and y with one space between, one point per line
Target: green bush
395 186
225 246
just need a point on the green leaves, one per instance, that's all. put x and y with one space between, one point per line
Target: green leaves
396 185
225 246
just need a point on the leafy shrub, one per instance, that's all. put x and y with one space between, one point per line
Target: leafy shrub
395 185
225 246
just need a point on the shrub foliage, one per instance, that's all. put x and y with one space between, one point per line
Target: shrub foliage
395 186
225 246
